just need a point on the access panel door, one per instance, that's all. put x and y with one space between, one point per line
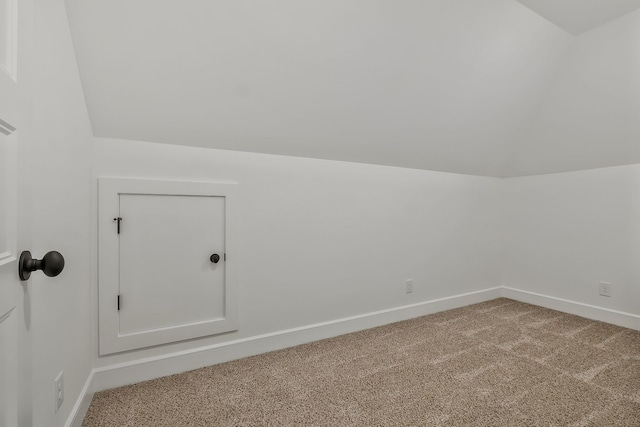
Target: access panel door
167 276
164 253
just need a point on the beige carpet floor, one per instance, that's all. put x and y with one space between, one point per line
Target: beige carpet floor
498 363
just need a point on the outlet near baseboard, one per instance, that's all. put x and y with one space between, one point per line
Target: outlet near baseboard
58 384
409 286
605 289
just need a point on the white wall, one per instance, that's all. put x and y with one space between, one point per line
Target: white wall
589 118
321 240
564 233
57 147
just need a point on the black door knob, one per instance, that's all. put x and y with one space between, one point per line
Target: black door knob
214 258
51 264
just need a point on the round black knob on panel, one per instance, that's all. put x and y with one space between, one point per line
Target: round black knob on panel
215 258
51 264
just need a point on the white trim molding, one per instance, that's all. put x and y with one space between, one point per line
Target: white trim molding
112 339
153 367
81 406
135 371
593 312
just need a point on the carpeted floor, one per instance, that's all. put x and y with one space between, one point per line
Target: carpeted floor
498 363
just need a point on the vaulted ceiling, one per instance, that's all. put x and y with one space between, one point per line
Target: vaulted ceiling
491 87
578 16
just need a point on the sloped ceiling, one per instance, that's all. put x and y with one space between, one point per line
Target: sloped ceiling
578 16
460 86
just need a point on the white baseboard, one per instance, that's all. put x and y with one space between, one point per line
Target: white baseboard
149 368
154 367
614 317
82 404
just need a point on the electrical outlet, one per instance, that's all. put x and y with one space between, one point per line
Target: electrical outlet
58 384
605 289
409 286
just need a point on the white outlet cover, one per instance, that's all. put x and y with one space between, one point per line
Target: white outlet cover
58 384
409 286
605 289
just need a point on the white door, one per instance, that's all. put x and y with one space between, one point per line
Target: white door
10 287
166 262
167 277
14 350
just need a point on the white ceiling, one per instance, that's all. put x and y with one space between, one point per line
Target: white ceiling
578 16
456 86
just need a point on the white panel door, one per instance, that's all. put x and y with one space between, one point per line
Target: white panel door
15 357
157 282
8 369
10 287
166 276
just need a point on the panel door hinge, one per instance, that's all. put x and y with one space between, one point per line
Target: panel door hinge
225 257
118 220
118 302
